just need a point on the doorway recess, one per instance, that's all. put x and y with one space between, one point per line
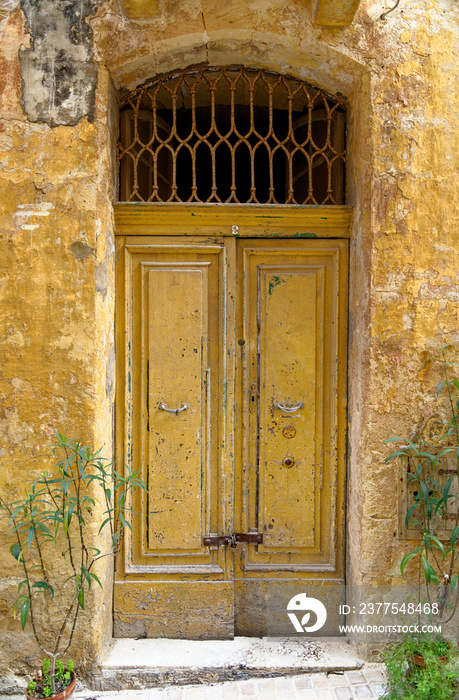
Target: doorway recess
231 353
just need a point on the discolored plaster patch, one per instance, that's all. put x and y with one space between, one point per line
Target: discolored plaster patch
58 75
101 278
81 250
110 380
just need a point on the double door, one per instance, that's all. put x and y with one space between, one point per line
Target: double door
231 401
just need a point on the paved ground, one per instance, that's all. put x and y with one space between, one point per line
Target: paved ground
366 684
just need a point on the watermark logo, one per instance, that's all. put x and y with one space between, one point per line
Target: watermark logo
301 603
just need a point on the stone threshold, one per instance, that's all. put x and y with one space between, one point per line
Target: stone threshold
153 663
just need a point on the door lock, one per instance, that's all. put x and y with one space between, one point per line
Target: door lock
234 539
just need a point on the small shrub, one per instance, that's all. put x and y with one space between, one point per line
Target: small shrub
437 680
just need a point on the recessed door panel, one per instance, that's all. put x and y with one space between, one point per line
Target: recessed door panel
177 320
288 338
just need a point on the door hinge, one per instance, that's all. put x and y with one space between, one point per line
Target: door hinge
244 537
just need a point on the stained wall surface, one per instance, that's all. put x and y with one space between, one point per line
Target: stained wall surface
58 74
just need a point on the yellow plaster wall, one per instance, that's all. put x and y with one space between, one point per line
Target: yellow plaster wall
56 318
56 332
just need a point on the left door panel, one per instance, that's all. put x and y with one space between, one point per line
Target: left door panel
172 398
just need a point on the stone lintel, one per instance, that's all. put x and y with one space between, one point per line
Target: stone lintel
334 13
140 9
327 13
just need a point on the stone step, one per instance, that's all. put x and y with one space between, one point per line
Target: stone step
152 663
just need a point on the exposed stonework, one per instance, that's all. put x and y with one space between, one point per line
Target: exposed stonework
140 9
335 13
59 78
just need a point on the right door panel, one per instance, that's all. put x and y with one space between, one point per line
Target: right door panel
292 321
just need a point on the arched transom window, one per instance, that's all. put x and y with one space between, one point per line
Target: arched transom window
232 135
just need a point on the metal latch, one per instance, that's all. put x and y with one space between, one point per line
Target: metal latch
248 537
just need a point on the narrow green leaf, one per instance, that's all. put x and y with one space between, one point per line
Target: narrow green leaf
440 386
433 574
425 491
16 551
399 453
436 541
95 578
107 520
30 537
426 567
408 557
45 586
410 513
454 535
81 598
429 455
24 612
68 517
82 471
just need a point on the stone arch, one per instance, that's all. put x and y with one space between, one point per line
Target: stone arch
335 71
315 63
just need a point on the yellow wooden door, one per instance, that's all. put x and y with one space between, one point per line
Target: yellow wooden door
231 400
291 383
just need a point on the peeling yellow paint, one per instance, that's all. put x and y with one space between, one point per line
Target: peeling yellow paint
405 36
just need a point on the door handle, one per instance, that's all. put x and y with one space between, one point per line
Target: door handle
289 409
163 407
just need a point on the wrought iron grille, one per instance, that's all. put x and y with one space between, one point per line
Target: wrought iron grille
232 135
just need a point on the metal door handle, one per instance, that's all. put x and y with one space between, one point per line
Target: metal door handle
289 409
163 407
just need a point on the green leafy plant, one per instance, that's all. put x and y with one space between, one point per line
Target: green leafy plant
51 522
43 687
407 681
436 500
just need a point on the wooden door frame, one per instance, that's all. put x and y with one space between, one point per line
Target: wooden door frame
234 220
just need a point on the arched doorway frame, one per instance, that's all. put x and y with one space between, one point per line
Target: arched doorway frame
319 66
